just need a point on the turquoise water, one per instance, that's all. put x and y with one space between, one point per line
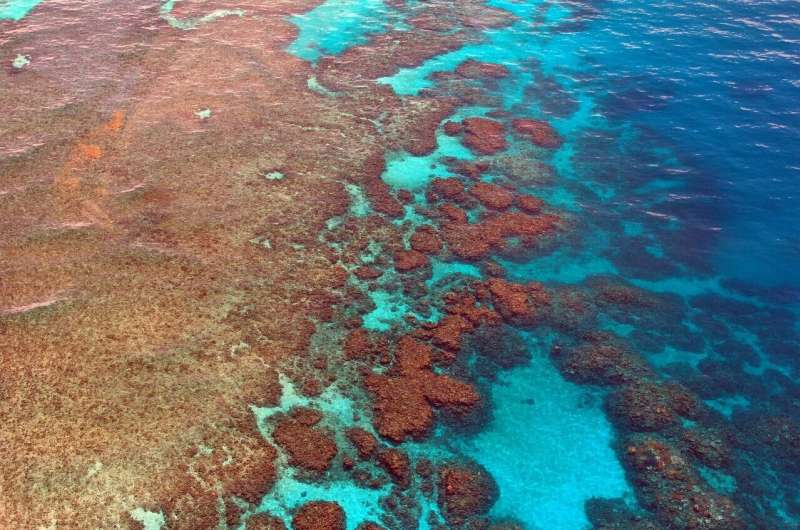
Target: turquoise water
290 491
549 448
16 9
336 25
664 109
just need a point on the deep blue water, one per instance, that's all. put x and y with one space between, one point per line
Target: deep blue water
717 83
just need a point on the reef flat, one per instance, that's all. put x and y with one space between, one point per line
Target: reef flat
324 265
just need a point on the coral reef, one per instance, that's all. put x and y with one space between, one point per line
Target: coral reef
363 441
476 69
319 515
264 521
642 406
614 514
408 260
465 491
426 240
492 196
369 526
518 304
452 128
308 447
538 132
396 463
601 362
474 241
667 484
180 241
448 188
405 398
381 198
484 136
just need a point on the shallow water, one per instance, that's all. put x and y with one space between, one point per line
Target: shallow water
16 9
678 174
549 448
